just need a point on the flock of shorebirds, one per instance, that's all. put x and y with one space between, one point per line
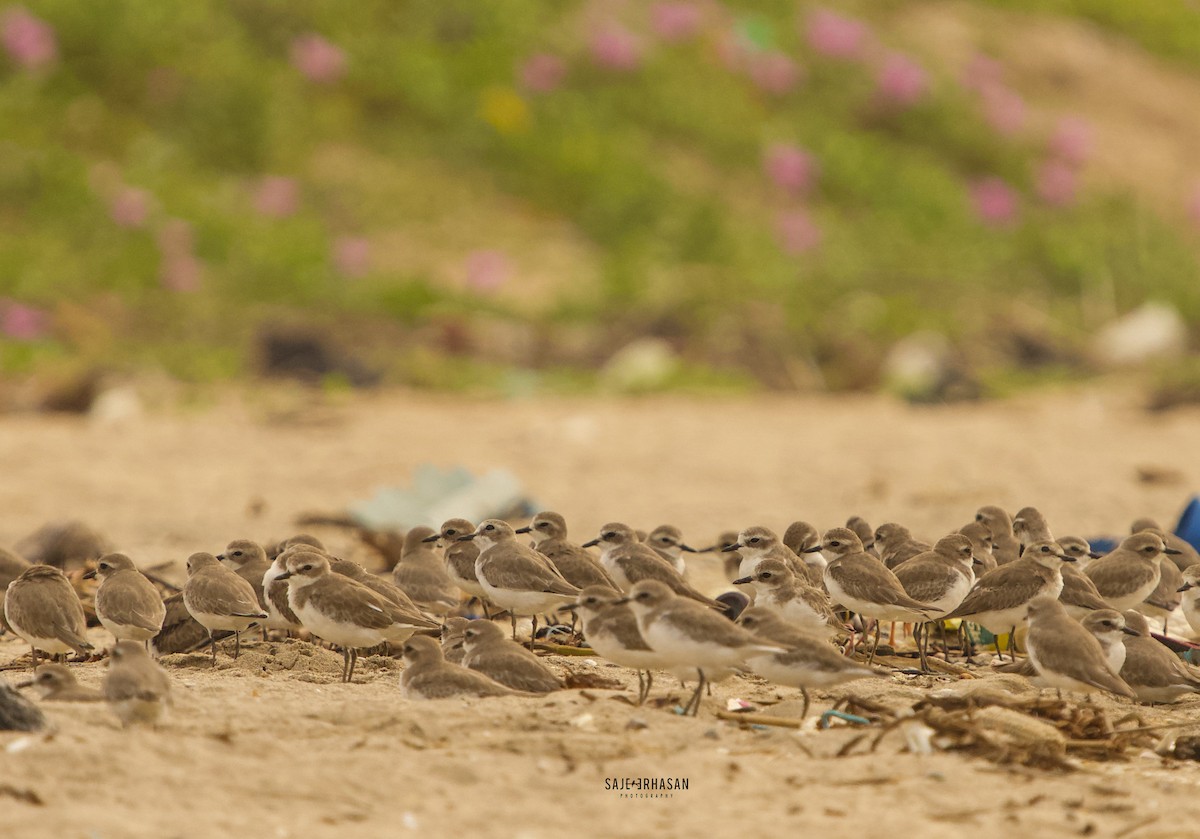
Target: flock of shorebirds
794 612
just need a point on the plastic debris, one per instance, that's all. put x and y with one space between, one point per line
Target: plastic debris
438 494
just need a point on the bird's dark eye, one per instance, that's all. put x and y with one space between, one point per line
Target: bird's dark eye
755 540
1045 549
610 535
306 568
490 527
835 543
766 575
237 553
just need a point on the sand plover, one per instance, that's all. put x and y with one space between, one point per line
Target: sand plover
515 576
691 635
127 604
220 600
804 540
249 561
136 687
758 543
429 676
1191 598
863 584
1129 574
578 567
388 591
981 543
628 562
343 611
56 683
666 540
41 606
1154 672
1065 655
452 639
422 574
1187 556
1029 526
939 578
864 532
1108 627
731 557
460 558
1000 599
11 567
503 660
275 591
1078 549
1005 546
611 629
809 662
896 544
777 589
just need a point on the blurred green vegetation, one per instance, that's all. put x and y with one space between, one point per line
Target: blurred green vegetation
657 170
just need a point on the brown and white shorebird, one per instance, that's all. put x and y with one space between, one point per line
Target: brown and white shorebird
515 576
611 629
427 675
981 544
1005 546
219 599
302 540
56 683
1000 599
42 607
343 611
777 589
12 565
628 562
578 567
1166 597
460 558
863 584
666 540
862 530
1190 604
452 639
387 590
1106 625
895 544
731 558
490 652
1154 672
127 604
1187 556
422 574
1078 549
136 687
804 540
810 662
690 635
1029 526
759 543
939 578
1130 573
1065 655
249 561
279 611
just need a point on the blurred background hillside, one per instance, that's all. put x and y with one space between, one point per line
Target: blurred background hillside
951 199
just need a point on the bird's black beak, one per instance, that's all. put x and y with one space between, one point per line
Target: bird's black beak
976 560
1129 631
741 581
621 602
1094 555
1172 551
221 557
284 575
465 538
1185 587
688 548
90 575
432 538
590 544
567 607
525 529
815 549
26 684
1066 558
729 548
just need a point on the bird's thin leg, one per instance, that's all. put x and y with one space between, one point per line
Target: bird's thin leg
695 703
649 683
33 654
513 617
804 710
878 628
533 633
213 640
237 645
941 625
921 633
345 664
1012 639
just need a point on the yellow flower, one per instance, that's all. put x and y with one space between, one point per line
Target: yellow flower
504 110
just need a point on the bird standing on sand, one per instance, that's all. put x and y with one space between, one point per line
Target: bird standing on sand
127 604
219 599
42 607
1065 655
1128 575
422 574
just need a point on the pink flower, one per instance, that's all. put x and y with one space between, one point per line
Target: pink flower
1071 141
616 48
542 73
487 270
1056 183
28 40
1003 109
836 35
797 232
277 196
352 256
982 72
20 322
773 72
129 207
901 80
317 59
790 168
995 202
675 21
